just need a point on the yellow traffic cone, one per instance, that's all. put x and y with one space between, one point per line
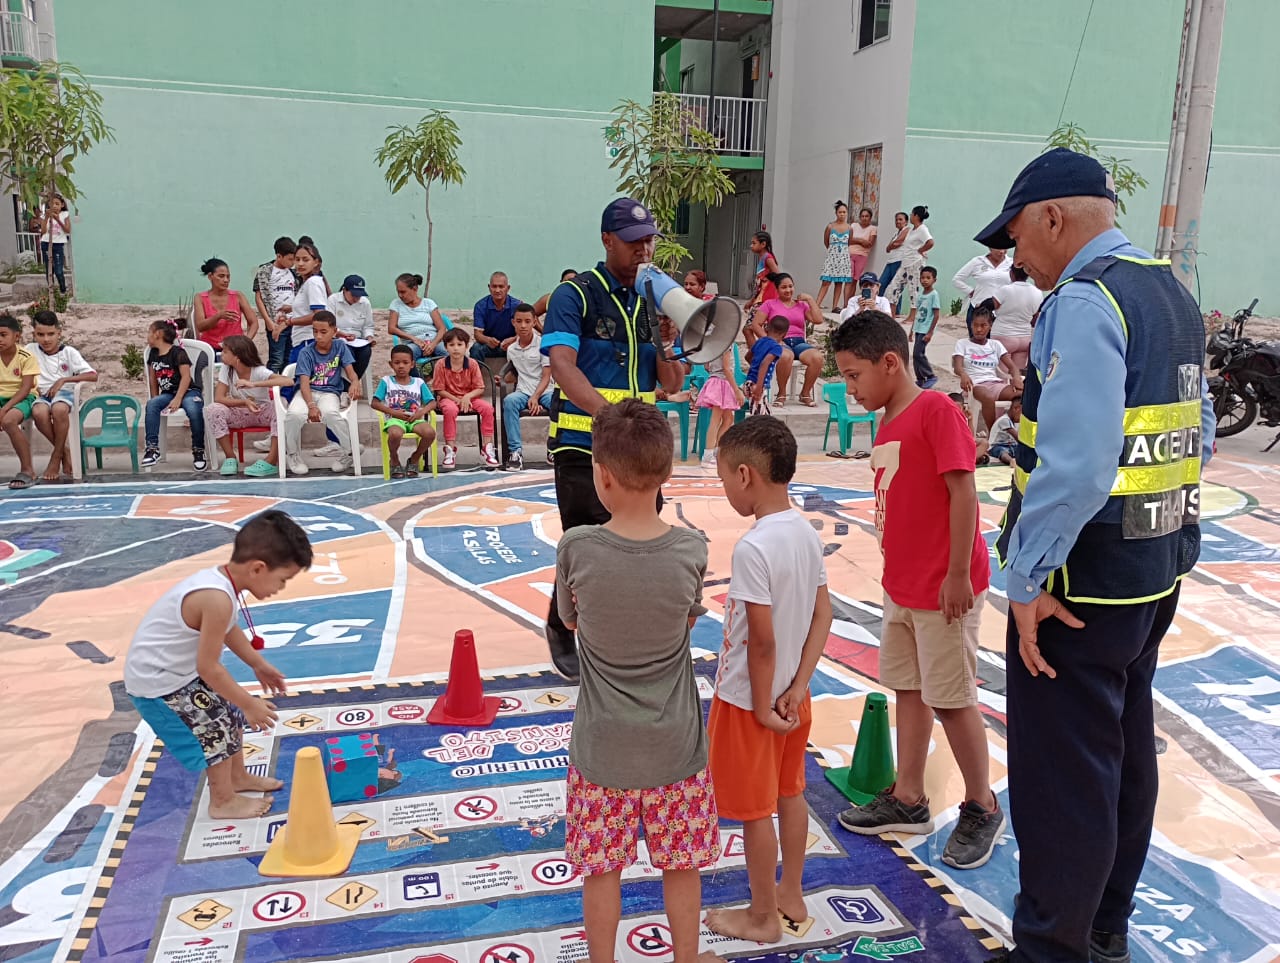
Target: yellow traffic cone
311 843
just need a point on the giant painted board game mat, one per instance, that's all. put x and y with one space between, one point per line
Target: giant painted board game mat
104 856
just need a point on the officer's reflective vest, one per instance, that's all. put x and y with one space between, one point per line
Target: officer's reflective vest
1147 535
615 352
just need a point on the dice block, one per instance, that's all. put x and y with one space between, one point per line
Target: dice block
351 767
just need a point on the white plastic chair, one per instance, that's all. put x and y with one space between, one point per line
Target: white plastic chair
73 434
352 414
179 417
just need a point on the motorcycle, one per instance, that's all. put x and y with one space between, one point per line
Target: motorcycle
1248 380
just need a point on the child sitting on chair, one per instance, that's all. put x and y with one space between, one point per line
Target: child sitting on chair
322 364
764 358
458 384
175 384
18 374
174 674
243 400
53 406
406 401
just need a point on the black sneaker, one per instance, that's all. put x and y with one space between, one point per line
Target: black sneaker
515 461
198 460
564 654
974 837
150 457
888 814
1108 947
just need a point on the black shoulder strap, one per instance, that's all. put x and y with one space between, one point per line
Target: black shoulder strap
1094 270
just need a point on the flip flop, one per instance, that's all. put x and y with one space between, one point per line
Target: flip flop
861 454
397 472
808 402
411 472
20 481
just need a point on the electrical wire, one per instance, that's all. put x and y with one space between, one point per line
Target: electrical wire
1079 48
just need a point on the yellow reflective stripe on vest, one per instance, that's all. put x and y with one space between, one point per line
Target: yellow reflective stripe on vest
566 421
573 423
614 395
1027 432
1150 419
1139 481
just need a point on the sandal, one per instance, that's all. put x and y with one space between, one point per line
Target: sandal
20 481
780 401
397 471
411 472
808 402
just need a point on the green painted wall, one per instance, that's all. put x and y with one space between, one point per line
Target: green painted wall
238 125
967 140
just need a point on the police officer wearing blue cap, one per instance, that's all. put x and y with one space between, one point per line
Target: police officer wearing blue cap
604 347
1102 525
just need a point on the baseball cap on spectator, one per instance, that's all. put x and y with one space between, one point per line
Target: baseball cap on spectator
355 284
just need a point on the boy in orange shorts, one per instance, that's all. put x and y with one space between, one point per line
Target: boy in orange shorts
632 589
777 617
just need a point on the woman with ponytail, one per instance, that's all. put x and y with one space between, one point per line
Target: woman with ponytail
221 312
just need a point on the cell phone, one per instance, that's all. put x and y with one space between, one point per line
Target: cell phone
866 293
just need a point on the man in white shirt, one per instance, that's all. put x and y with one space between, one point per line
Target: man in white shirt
533 382
868 298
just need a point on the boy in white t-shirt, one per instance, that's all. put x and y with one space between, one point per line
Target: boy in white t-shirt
533 383
977 361
776 620
174 674
274 285
1004 433
53 403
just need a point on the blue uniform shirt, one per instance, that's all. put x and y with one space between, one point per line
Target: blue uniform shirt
1079 349
495 323
563 323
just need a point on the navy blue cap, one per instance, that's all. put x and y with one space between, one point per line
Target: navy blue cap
1055 173
869 277
355 284
629 219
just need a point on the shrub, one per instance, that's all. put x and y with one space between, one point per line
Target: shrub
53 300
133 362
957 307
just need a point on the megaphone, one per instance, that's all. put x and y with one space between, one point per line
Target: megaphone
707 328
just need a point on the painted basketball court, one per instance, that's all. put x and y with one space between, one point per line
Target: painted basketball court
103 856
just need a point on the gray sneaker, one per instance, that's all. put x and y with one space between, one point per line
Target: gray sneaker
888 814
974 837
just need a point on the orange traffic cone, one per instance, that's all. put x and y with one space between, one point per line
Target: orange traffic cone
311 843
464 702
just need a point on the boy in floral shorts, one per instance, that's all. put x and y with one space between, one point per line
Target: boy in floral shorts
632 588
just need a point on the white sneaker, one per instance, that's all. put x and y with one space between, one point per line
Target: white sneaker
344 401
490 456
329 449
709 459
262 445
343 463
296 466
449 458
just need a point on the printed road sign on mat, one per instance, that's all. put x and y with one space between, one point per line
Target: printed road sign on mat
461 842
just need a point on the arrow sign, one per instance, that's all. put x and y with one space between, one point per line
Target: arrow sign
578 935
869 947
222 829
488 866
203 941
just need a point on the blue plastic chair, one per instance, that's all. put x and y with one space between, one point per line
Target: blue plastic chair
837 399
119 430
681 409
704 414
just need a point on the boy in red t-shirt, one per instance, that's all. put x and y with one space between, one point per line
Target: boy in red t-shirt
936 573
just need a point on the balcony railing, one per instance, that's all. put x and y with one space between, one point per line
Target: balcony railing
736 122
18 39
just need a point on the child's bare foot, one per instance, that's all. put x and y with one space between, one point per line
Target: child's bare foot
51 473
240 807
247 782
791 904
745 925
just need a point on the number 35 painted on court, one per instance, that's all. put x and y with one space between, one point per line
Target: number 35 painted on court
328 632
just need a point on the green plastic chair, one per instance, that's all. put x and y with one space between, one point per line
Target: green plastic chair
838 413
119 429
681 409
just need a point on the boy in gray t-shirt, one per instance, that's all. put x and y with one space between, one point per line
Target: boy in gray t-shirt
632 589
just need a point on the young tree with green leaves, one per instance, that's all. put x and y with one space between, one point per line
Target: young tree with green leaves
426 154
664 156
1128 181
49 117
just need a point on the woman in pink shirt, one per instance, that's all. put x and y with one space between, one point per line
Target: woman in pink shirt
800 310
221 312
862 238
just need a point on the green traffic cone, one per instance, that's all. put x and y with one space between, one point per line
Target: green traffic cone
872 768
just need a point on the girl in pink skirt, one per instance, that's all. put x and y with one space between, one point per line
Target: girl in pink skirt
722 395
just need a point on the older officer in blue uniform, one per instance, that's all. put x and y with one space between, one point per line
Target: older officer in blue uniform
603 346
1102 524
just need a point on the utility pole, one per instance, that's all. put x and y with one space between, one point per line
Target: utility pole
1199 135
1163 246
711 120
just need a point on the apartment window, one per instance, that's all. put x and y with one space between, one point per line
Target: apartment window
871 21
686 80
864 181
682 219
